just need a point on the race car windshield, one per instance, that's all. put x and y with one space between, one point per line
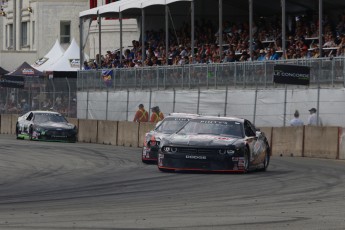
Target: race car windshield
46 117
213 127
170 126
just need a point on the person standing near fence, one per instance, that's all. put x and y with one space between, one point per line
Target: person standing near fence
313 118
157 115
141 115
296 121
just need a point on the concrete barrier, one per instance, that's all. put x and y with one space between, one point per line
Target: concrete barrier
341 143
14 123
307 141
321 142
6 124
144 127
128 134
107 132
287 141
87 131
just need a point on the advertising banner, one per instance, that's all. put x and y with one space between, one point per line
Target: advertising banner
291 74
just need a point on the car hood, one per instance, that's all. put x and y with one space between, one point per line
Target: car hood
158 136
56 125
200 140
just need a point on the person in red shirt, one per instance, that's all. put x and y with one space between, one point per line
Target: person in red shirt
141 115
157 115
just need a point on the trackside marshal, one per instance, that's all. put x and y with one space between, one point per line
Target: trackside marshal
291 74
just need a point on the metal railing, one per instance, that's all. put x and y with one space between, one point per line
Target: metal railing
235 74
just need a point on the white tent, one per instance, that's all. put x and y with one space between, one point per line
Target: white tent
70 60
50 58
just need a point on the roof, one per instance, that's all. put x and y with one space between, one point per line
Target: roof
206 7
50 58
69 61
43 111
182 115
241 120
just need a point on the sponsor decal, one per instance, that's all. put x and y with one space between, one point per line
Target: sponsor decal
195 157
234 158
40 61
28 71
213 122
75 63
225 138
240 162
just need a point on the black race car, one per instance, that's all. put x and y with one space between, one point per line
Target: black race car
169 125
220 144
45 125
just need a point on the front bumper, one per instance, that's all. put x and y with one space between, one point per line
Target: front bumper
186 162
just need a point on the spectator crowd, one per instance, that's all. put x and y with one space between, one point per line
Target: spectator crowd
302 42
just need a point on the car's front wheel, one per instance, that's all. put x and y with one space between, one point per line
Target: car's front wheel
246 162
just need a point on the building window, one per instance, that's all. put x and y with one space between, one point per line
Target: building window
65 32
33 33
9 37
24 38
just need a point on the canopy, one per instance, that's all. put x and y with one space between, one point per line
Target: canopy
69 61
50 58
26 70
16 78
3 71
262 7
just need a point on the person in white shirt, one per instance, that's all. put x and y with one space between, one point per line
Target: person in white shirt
313 119
296 121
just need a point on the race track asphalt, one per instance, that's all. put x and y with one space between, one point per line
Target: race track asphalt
51 186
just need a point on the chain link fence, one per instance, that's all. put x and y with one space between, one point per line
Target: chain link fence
60 94
56 94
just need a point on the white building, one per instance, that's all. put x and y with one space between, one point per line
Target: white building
29 28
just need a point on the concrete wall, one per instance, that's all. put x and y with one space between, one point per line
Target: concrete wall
287 141
342 143
321 142
6 123
128 134
87 131
107 132
14 123
306 141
